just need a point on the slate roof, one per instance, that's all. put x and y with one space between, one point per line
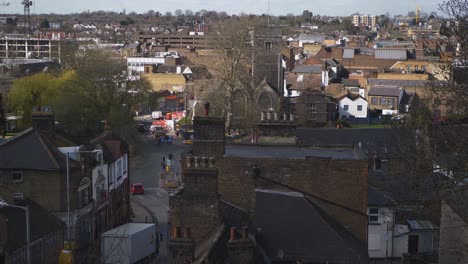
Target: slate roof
41 223
385 91
372 140
292 227
291 152
314 69
400 83
351 82
377 197
32 150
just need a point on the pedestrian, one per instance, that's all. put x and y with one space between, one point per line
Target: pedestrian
177 134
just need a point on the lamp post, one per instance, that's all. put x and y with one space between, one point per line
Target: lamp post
28 231
68 182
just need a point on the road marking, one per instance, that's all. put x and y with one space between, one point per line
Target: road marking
141 197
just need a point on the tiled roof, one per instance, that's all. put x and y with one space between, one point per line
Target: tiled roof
294 228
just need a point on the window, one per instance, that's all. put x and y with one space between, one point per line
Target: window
391 101
17 176
125 163
359 108
268 45
119 169
313 108
373 215
346 107
383 101
375 101
416 67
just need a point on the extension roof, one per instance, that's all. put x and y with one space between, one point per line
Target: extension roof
42 223
292 227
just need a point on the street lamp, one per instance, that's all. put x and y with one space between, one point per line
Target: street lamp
28 235
68 181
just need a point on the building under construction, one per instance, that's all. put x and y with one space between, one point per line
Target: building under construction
21 46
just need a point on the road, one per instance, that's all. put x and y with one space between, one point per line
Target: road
145 168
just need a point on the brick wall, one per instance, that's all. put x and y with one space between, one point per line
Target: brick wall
453 237
47 188
341 181
200 213
208 136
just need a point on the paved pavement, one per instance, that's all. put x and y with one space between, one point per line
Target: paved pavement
153 206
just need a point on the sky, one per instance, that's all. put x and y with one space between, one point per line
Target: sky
277 7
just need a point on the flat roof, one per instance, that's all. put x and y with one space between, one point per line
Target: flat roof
291 152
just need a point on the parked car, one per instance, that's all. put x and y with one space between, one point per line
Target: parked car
137 188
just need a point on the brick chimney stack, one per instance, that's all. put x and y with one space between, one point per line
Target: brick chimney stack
42 119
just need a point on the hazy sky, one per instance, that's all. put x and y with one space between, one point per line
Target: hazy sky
337 7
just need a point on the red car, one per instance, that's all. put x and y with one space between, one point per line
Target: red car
137 188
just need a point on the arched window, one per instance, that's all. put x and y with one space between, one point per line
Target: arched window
265 102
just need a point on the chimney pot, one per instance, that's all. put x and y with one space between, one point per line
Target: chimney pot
188 161
291 117
207 109
262 116
233 234
211 162
195 162
245 232
203 162
187 234
285 117
268 115
275 114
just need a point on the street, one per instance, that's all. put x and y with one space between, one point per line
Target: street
145 168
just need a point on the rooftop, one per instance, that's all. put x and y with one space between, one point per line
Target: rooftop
291 152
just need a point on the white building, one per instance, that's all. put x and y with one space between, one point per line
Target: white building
353 106
385 238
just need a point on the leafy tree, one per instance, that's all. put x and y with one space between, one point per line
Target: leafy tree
98 92
168 14
36 90
44 24
188 12
179 12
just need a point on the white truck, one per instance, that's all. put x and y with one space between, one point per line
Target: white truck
130 243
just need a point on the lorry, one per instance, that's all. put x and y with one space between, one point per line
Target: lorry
130 243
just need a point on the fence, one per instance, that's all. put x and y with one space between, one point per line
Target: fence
45 250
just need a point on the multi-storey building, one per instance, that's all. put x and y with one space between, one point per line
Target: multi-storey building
369 21
20 46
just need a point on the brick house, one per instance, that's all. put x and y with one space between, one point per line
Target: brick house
32 165
385 99
315 107
222 189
